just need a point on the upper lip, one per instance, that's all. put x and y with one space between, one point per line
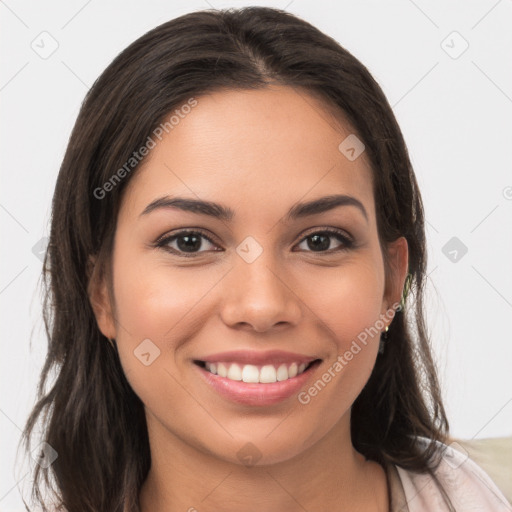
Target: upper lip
258 357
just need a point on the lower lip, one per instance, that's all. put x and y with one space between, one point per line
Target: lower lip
251 393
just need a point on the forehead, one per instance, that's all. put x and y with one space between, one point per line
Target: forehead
263 149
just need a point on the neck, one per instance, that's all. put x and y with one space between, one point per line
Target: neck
327 475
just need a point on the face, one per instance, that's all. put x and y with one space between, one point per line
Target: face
269 292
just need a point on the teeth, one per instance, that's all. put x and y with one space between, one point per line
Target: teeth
293 370
251 373
222 371
282 372
234 372
268 374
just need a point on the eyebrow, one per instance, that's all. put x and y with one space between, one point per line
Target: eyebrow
218 211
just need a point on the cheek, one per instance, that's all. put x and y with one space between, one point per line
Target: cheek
153 298
348 300
157 303
347 305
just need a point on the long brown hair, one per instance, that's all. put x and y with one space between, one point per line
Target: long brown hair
88 412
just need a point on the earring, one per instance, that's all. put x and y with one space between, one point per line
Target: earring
383 339
407 287
112 343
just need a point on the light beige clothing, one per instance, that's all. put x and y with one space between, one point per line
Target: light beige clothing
494 456
468 486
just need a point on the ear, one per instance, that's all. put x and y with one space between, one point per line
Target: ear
398 259
99 298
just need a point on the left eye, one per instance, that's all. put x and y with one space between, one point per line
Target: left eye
320 241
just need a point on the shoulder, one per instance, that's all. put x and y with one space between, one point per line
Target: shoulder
466 484
494 456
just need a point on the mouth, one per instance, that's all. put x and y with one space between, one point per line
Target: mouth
256 385
256 374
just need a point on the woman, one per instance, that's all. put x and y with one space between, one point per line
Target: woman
236 225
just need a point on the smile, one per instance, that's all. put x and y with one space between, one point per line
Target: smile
256 374
256 385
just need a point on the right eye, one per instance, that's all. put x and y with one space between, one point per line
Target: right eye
185 243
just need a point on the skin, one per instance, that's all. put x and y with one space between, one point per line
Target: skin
259 153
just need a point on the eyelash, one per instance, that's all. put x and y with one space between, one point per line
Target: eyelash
163 242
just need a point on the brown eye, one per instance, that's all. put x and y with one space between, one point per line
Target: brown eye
186 243
321 241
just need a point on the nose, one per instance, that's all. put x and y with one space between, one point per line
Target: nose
257 297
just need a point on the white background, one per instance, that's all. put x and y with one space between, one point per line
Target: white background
455 115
